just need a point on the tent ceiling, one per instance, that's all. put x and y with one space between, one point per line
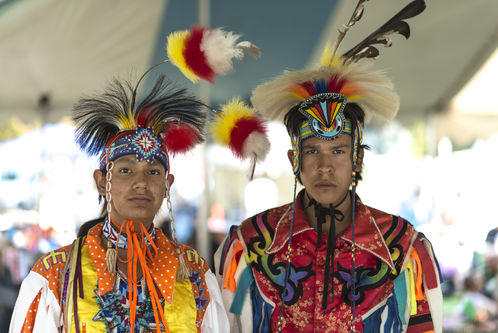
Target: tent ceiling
66 48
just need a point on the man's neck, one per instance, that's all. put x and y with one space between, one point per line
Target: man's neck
340 226
136 223
123 253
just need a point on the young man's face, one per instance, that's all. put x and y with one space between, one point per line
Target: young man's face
137 191
326 168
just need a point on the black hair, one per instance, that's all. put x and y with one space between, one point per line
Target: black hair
85 227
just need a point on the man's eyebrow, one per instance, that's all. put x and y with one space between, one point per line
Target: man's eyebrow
343 145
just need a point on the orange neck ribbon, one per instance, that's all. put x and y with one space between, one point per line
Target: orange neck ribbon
138 253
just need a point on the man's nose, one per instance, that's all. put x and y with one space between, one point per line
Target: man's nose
325 164
140 180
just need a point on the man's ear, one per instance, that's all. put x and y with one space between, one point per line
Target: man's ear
359 163
99 178
170 179
290 156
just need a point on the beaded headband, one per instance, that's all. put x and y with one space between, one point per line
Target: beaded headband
140 142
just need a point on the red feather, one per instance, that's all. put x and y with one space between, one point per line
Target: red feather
144 116
335 85
194 57
179 139
310 87
241 130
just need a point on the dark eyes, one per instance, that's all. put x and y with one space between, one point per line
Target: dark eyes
150 172
315 151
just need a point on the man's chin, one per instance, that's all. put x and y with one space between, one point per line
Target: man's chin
327 200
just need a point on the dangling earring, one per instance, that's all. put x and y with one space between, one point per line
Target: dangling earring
182 272
111 253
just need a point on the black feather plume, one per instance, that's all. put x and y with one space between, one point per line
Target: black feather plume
169 104
365 48
98 119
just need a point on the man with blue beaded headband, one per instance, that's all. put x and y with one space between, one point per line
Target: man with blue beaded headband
326 262
123 274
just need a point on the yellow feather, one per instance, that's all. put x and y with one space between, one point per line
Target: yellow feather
125 121
176 47
222 127
326 59
355 98
296 96
133 122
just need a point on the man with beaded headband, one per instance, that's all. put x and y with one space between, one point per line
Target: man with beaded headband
326 262
124 275
121 274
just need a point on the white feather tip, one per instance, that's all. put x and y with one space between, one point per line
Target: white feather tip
256 146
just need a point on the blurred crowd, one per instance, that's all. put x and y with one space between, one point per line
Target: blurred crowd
471 297
450 205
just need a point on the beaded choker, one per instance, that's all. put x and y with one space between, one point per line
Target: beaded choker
119 239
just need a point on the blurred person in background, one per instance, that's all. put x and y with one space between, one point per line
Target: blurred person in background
479 312
326 262
8 291
491 265
122 274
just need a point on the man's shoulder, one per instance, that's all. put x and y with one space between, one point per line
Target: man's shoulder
389 224
52 262
193 258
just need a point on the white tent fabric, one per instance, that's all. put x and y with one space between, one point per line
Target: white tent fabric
66 48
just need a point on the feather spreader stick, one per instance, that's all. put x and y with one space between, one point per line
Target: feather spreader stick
204 53
239 128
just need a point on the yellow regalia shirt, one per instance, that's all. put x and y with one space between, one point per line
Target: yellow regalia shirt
192 305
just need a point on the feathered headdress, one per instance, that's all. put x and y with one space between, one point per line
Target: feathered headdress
166 121
243 131
372 90
204 53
